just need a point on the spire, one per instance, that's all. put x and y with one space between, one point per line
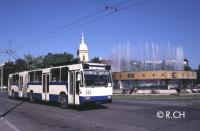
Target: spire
82 38
83 50
82 46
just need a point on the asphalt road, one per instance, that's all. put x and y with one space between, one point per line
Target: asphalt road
122 115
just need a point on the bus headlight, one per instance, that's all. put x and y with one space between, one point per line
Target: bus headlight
109 97
87 98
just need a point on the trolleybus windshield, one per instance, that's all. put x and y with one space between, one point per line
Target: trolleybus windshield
97 78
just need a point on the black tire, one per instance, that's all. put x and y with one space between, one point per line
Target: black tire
63 100
13 95
9 97
31 99
110 101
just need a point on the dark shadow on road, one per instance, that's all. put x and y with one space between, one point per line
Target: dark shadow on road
89 107
11 109
73 107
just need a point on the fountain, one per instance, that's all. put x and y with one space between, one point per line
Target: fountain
147 57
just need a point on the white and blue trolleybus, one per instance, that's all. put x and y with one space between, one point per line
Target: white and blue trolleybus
68 85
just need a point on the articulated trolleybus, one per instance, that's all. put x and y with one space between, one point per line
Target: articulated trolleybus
69 85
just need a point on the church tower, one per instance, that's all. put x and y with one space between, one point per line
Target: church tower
82 52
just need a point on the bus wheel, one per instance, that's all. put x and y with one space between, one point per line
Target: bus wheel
110 101
63 100
13 94
31 97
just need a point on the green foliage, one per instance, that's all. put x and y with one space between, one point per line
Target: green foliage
187 68
95 60
8 68
49 60
34 62
57 59
198 75
21 65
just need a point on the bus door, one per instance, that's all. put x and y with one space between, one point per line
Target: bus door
20 83
24 85
20 86
45 84
74 85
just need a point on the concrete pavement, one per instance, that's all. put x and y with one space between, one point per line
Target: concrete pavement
7 126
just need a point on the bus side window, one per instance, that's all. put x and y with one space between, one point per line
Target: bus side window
38 76
15 79
77 82
81 82
31 77
64 74
55 75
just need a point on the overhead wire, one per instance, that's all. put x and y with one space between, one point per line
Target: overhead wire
165 14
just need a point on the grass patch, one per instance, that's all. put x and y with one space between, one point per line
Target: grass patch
157 96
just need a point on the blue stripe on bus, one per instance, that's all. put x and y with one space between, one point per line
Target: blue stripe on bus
16 94
36 96
53 98
93 99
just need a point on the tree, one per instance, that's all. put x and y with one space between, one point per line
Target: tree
186 65
198 75
187 68
57 59
29 58
186 61
21 65
95 60
8 68
34 62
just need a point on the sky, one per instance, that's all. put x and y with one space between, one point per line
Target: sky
134 21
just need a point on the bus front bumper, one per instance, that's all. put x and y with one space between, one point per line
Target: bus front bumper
95 99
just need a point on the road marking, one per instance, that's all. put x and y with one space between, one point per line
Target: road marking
10 124
119 124
133 127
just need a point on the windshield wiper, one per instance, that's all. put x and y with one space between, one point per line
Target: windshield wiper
105 85
95 83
